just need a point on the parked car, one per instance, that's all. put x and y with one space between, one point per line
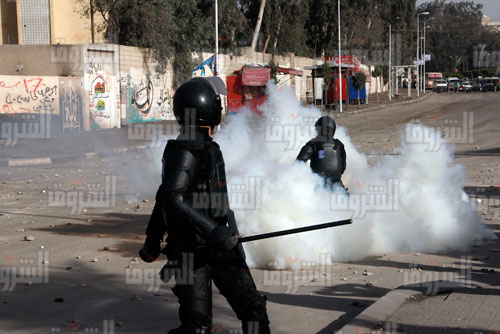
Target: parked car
453 84
439 86
465 86
476 85
488 84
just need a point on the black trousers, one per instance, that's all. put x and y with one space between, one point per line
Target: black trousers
231 276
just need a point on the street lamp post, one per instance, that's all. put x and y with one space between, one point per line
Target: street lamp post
340 62
425 62
418 51
216 67
390 62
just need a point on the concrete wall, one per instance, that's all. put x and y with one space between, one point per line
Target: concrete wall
42 60
101 86
145 95
51 102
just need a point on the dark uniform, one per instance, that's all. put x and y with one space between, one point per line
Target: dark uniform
326 153
192 208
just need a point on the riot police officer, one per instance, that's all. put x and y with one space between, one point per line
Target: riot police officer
192 208
327 154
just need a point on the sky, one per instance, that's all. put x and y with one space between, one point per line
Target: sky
491 8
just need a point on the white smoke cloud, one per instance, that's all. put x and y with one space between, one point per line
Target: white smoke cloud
426 209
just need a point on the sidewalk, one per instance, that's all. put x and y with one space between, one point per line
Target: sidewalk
464 310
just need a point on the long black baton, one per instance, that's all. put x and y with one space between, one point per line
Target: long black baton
294 230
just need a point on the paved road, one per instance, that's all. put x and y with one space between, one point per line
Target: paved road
98 294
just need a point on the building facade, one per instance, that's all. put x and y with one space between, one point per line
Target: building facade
43 22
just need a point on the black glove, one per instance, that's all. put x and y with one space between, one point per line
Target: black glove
151 249
222 237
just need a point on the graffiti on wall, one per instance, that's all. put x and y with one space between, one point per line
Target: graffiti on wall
100 101
71 104
29 95
148 98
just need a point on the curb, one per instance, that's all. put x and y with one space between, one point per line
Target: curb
382 106
67 158
370 320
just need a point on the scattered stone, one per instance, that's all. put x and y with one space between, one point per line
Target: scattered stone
344 279
20 193
138 206
84 210
355 272
83 284
138 237
59 300
400 270
417 254
108 259
42 247
367 273
128 266
95 260
6 242
56 175
102 235
105 248
89 221
78 257
145 200
29 238
45 262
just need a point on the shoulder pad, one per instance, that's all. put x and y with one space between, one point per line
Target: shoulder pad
179 168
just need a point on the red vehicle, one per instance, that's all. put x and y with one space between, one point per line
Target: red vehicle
247 87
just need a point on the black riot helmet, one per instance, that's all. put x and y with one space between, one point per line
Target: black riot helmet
325 126
197 102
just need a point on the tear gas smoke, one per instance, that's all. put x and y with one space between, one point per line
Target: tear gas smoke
424 208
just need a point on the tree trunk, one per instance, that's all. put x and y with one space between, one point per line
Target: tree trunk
257 25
